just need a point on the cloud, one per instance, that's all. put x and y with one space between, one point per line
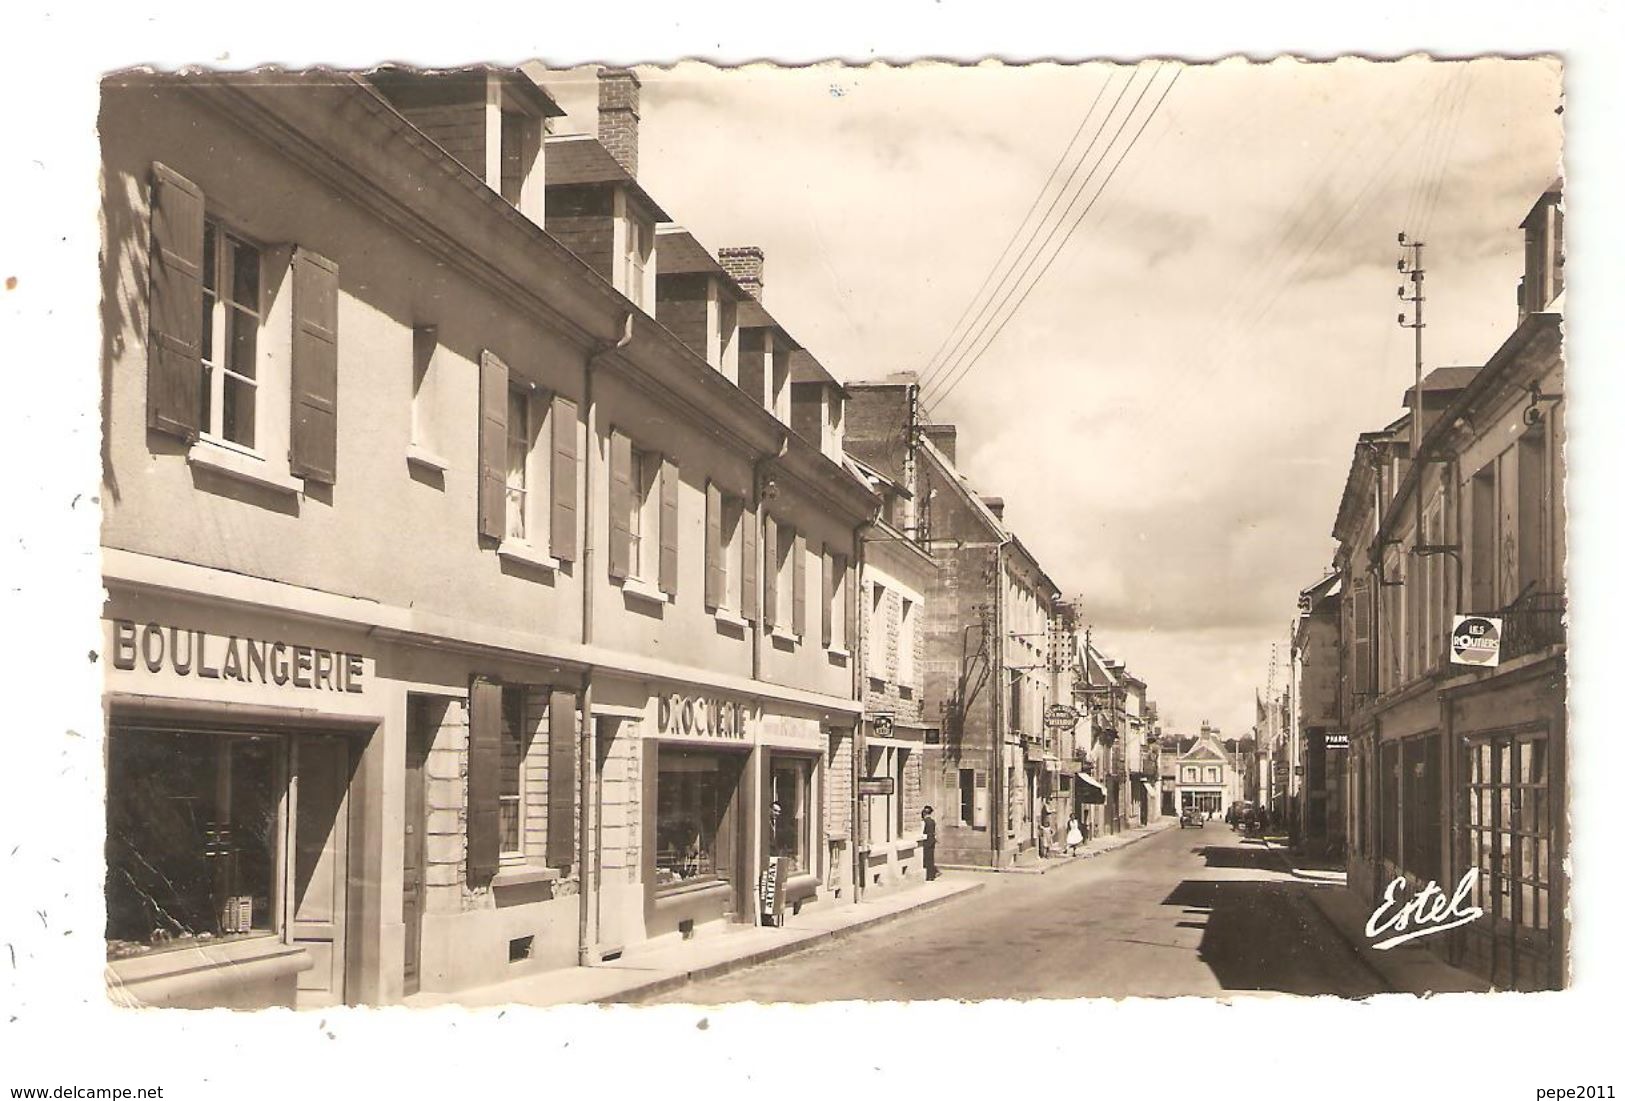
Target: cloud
1171 414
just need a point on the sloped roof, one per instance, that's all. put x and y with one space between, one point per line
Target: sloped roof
804 367
1443 380
582 159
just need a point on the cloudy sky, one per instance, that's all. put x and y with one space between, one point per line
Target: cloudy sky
1171 411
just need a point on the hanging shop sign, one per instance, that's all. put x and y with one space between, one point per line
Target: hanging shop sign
1475 640
1060 716
877 785
701 717
157 648
1337 740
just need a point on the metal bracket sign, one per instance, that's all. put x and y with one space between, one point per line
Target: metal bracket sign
877 785
1059 716
1475 640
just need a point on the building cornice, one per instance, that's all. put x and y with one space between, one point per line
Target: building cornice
138 572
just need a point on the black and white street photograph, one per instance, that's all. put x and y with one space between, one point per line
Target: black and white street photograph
645 534
1024 567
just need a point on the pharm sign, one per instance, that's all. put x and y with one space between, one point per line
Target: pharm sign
1475 640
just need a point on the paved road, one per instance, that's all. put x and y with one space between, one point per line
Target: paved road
1182 912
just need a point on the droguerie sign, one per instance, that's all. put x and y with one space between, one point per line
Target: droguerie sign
696 716
155 648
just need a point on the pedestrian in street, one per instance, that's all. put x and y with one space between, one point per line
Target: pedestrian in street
930 843
1074 836
1046 833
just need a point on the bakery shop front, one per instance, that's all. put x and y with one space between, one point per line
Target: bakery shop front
735 786
236 820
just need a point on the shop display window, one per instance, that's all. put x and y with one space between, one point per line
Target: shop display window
693 793
192 837
788 826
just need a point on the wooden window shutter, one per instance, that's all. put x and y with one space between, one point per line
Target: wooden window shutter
748 596
668 527
562 525
828 569
561 778
313 442
484 779
798 589
716 578
493 444
620 505
175 305
850 626
770 571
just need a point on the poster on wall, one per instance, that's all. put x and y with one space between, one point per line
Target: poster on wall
1475 640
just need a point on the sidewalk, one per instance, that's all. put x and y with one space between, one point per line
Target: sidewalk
1410 968
1030 863
646 970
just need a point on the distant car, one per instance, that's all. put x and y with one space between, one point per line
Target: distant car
1192 817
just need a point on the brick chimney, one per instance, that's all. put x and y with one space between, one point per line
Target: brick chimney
995 505
744 264
618 115
945 437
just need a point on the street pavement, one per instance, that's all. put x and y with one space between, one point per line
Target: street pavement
1183 912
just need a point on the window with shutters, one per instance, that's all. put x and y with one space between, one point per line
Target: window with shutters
643 522
905 647
511 774
836 586
250 412
232 316
518 483
643 516
638 242
785 569
421 445
725 549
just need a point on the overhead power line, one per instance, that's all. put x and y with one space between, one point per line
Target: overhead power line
935 362
948 387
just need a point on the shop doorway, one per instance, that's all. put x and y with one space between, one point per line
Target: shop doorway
421 720
321 851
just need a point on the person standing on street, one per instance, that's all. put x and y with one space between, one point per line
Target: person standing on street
1074 836
930 843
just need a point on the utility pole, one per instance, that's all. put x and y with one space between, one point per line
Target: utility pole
1410 265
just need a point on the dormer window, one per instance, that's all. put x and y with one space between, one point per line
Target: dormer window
638 241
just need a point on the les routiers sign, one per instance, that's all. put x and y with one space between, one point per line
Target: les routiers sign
158 649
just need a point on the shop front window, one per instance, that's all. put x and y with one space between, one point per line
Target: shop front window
693 794
192 835
787 813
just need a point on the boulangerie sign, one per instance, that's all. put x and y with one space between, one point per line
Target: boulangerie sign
165 650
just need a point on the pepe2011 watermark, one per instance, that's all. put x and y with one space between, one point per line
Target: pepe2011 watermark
1427 912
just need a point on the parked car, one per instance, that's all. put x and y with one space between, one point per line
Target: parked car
1192 817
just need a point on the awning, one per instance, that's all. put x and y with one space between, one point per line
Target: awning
1089 789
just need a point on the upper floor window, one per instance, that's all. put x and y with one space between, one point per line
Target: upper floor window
643 518
637 260
527 468
837 594
521 435
207 374
230 345
905 642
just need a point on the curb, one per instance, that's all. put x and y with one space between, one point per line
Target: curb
668 983
1052 863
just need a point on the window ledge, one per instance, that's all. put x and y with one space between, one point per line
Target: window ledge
418 455
632 586
840 652
517 550
243 466
781 635
517 875
729 618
